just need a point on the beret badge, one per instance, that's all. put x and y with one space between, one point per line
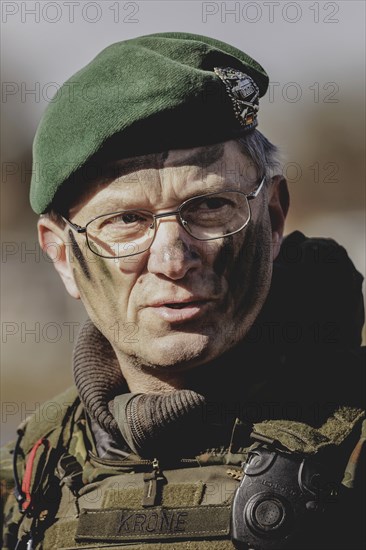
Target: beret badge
244 94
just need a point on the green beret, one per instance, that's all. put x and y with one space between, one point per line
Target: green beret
146 95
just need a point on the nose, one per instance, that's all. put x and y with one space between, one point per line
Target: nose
173 252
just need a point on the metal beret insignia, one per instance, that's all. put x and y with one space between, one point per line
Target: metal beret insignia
244 94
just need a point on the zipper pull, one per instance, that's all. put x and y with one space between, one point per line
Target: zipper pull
151 482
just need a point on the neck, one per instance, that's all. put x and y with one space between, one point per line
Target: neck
212 378
141 379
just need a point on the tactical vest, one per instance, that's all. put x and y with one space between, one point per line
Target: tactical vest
72 499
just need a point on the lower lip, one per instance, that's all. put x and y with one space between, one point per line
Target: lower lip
179 315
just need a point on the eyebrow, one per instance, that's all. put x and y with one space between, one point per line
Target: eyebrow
114 203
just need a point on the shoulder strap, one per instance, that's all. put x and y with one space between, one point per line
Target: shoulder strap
301 438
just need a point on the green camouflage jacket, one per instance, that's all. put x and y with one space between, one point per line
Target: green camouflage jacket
69 482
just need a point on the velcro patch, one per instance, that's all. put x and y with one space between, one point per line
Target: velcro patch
159 523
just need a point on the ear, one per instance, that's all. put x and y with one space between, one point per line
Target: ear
53 241
278 205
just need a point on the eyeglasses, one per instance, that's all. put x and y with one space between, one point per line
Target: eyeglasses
204 217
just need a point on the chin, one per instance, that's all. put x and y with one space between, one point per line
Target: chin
179 351
183 351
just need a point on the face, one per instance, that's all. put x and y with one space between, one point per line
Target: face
183 302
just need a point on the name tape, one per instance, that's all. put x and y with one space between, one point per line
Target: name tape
158 523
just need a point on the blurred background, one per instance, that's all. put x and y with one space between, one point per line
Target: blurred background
314 111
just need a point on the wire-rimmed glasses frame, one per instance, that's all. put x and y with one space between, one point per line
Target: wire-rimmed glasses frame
178 213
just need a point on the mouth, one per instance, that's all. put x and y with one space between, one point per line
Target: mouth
178 312
181 305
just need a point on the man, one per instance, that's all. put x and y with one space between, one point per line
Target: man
198 420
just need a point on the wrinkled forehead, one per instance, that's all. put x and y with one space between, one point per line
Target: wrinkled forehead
222 157
223 160
201 157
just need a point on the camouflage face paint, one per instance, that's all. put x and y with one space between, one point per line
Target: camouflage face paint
79 256
251 268
225 257
246 267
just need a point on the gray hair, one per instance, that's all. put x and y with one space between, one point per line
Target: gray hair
266 157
